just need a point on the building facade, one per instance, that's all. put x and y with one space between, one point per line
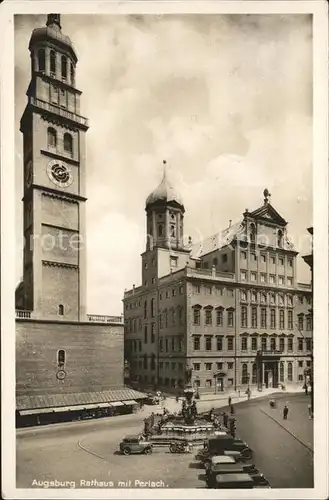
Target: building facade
65 358
230 307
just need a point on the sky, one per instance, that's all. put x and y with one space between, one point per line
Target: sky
226 100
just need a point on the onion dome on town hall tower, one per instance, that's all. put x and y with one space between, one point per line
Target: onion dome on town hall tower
165 214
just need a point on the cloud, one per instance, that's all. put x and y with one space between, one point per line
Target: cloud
226 99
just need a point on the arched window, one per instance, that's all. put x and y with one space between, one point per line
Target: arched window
290 371
280 238
61 310
41 60
252 232
64 67
254 373
51 137
172 231
61 357
245 376
281 371
68 143
53 63
72 73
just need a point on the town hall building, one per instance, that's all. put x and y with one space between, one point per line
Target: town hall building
66 360
230 307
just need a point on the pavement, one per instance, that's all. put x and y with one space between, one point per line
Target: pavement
85 453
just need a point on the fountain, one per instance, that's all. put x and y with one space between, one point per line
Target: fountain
187 424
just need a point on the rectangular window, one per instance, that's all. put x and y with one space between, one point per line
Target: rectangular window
300 364
254 317
289 262
301 322
243 275
244 317
290 320
230 343
161 345
219 317
289 281
290 344
263 257
208 290
281 343
196 343
253 297
264 343
281 315
208 383
308 344
280 261
273 322
272 259
196 367
167 345
196 316
152 333
263 317
208 342
208 366
300 377
243 296
253 256
244 255
174 292
196 289
253 276
219 343
181 290
244 344
219 366
272 279
145 334
230 366
263 278
230 318
172 343
208 313
273 343
300 299
308 364
300 344
224 258
254 346
281 280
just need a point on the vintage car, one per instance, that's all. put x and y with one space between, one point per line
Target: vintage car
152 400
219 445
135 444
231 468
232 481
219 460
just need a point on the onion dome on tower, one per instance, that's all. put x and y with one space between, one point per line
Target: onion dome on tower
165 214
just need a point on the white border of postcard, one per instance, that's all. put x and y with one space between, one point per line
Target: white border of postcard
319 9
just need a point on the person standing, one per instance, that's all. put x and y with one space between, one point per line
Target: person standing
285 412
229 400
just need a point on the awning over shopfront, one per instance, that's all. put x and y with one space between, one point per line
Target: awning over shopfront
77 401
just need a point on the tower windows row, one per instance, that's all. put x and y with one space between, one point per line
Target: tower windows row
264 323
253 233
209 316
66 65
52 140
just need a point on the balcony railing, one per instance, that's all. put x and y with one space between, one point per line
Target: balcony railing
98 318
59 111
23 314
272 352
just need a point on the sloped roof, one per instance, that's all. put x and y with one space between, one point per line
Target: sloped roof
218 240
58 400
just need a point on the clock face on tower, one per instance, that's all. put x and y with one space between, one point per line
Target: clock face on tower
59 173
29 174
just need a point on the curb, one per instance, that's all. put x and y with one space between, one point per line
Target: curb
287 430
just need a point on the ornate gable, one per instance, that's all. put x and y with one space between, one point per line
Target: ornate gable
268 213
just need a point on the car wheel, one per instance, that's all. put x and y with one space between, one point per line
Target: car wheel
148 451
126 451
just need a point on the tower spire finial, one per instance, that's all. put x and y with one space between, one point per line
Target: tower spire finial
164 168
54 20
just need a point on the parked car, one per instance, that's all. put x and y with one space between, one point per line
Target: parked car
221 444
152 400
232 481
135 444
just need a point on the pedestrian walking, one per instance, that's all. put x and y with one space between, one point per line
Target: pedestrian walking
285 412
229 400
310 415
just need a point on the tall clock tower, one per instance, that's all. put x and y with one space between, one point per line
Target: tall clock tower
54 283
